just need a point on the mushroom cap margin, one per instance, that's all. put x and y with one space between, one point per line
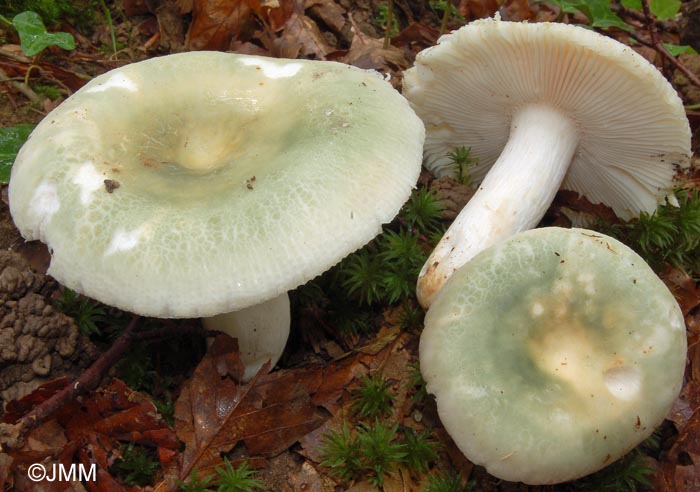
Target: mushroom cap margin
342 156
634 131
552 354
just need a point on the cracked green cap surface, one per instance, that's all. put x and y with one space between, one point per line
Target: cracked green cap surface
204 182
552 354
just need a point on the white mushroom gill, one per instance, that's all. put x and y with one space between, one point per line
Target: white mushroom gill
513 197
477 82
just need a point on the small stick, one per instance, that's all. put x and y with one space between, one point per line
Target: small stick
445 17
661 49
22 87
651 25
389 24
87 380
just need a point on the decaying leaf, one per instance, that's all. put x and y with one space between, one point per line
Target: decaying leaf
215 23
328 11
301 38
214 413
684 289
275 13
91 431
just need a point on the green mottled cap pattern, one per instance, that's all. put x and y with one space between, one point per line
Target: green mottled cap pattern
553 354
201 183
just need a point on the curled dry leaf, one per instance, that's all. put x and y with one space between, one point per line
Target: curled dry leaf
91 431
215 23
684 289
330 12
301 38
369 53
274 13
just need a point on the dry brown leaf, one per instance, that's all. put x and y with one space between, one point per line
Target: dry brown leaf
215 23
515 10
205 404
301 38
214 413
328 11
134 7
369 53
479 9
274 13
307 479
89 431
392 362
684 289
416 36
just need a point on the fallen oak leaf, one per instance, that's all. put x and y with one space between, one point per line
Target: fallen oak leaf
269 430
214 413
205 405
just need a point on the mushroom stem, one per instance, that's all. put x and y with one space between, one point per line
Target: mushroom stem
262 331
513 197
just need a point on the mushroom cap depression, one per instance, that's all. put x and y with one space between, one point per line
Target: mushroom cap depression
200 183
634 131
552 354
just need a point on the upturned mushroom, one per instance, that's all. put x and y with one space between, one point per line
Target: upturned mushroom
542 106
204 183
552 354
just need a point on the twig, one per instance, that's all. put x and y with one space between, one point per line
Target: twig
13 56
87 380
11 99
639 16
661 50
389 24
22 87
651 25
445 18
659 46
112 34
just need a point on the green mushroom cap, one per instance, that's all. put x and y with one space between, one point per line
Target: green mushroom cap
201 183
553 354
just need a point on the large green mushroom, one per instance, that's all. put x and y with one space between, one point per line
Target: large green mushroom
552 354
204 183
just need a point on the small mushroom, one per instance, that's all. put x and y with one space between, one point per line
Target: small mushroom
552 354
333 151
542 106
